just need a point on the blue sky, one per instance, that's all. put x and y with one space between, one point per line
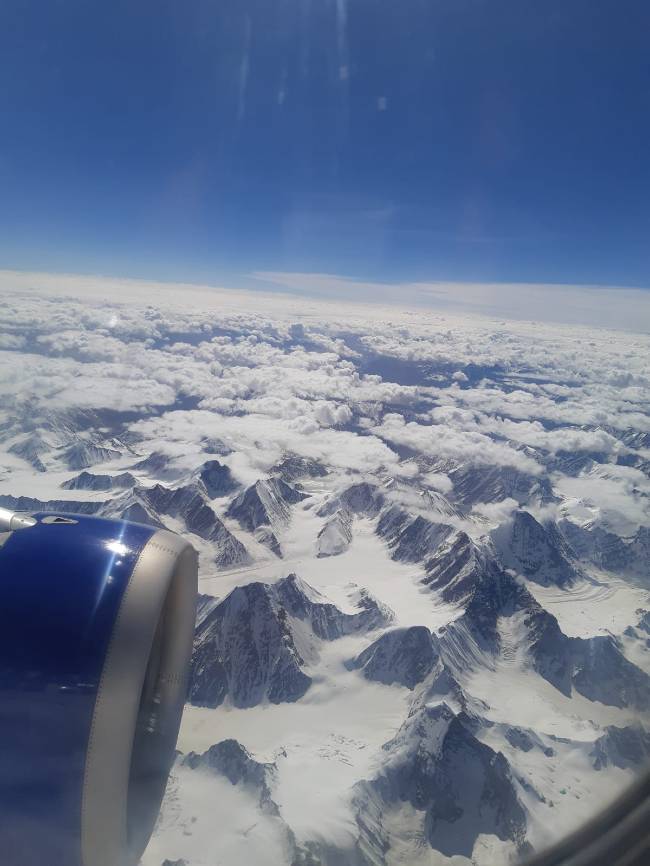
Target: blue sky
412 140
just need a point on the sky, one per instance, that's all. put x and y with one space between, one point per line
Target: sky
422 140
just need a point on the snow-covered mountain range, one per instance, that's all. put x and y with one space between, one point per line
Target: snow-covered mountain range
423 634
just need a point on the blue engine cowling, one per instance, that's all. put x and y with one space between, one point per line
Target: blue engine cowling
96 625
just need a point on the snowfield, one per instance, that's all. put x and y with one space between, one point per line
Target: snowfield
423 635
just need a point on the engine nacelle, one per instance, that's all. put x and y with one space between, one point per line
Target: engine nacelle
96 625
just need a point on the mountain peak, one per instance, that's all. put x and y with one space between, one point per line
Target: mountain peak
216 479
538 551
403 655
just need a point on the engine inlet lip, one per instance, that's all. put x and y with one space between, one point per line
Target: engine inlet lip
139 704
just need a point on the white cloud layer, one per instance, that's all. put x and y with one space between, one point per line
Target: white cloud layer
363 388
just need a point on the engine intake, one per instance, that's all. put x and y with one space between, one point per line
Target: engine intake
96 625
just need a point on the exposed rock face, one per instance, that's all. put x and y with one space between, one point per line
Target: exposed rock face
214 445
231 760
438 504
495 594
249 647
441 685
89 481
270 540
525 740
216 479
58 440
264 508
159 465
155 462
28 503
188 504
264 504
324 618
293 467
33 448
361 500
456 568
474 484
632 438
602 673
149 505
436 764
608 551
134 508
245 652
627 748
83 454
411 538
404 655
408 493
358 500
595 667
644 620
336 535
538 552
204 604
641 545
550 648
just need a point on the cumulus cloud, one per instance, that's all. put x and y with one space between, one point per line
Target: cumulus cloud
330 415
581 405
59 384
437 440
619 495
438 481
261 440
496 513
12 341
363 389
531 433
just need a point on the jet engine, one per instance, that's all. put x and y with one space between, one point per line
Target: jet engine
96 626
